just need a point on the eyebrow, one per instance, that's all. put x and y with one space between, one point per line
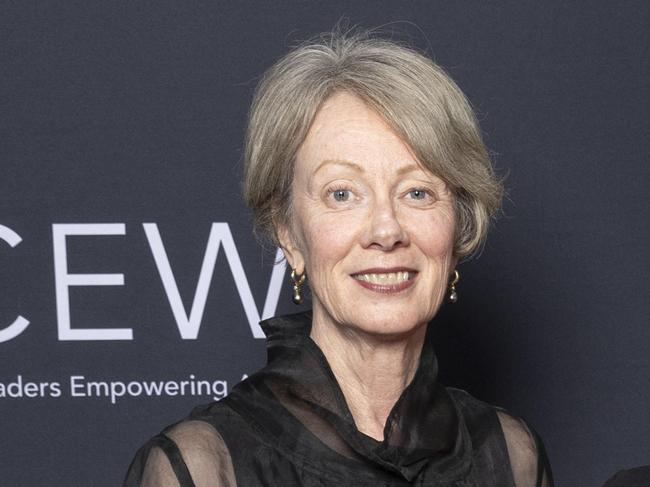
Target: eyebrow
408 169
339 162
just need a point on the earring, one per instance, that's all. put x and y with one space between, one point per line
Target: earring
453 295
298 280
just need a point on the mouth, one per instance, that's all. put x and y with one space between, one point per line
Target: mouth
386 281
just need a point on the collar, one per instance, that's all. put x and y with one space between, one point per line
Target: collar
424 430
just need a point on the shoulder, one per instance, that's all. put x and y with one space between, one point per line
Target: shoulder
516 432
518 436
189 453
524 447
203 451
196 439
476 413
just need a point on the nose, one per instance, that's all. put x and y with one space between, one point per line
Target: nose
384 230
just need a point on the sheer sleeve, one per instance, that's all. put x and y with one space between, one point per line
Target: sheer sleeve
530 465
189 454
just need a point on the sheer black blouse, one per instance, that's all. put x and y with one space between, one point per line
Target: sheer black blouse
289 425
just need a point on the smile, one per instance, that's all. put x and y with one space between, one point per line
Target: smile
385 282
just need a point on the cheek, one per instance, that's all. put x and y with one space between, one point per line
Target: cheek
434 233
328 239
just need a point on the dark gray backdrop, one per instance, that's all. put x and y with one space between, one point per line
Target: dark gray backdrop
133 112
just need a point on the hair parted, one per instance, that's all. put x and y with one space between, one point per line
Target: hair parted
415 96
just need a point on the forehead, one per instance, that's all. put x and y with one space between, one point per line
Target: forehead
346 128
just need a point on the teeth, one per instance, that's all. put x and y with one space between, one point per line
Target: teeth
385 278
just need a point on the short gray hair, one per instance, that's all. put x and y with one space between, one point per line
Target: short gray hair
413 94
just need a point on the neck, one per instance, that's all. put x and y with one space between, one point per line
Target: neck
371 370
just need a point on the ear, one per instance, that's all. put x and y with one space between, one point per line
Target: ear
291 251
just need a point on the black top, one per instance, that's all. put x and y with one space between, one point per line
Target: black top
289 424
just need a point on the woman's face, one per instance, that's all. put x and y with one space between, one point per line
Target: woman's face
371 228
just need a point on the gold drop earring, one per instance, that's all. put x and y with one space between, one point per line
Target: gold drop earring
297 281
453 295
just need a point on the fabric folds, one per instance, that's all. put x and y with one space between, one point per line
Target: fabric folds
301 378
289 424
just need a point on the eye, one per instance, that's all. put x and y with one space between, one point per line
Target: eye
418 193
341 195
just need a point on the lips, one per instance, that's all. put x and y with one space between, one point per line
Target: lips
386 280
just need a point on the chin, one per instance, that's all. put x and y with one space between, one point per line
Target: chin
387 323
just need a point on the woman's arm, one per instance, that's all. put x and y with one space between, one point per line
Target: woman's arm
530 465
189 454
157 471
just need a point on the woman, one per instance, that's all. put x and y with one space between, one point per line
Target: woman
364 162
